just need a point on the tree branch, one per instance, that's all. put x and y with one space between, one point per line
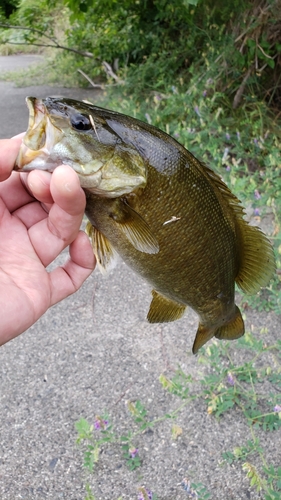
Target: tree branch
55 45
95 85
238 95
109 71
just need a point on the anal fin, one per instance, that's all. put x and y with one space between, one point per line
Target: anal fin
164 310
104 252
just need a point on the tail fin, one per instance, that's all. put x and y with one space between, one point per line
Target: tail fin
203 334
233 329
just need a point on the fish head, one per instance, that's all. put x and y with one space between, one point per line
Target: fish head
65 131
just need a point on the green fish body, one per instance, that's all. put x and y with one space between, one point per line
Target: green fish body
169 216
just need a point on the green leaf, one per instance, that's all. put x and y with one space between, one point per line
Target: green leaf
190 2
271 63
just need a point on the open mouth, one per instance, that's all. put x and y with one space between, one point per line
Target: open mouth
40 137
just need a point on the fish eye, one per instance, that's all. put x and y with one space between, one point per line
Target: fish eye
80 122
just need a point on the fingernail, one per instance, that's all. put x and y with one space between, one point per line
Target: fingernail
67 187
18 135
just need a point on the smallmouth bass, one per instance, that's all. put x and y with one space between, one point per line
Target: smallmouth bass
169 216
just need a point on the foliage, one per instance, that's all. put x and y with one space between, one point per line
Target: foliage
198 92
7 7
252 405
90 495
153 43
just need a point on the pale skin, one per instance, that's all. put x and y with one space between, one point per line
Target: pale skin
40 215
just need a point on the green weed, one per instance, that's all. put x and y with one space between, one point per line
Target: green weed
225 386
230 386
90 495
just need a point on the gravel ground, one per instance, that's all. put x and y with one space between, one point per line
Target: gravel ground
92 354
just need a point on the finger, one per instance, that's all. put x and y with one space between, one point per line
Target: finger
31 213
9 149
38 183
66 190
13 193
50 236
67 279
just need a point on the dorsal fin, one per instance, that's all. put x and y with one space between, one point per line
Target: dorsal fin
257 264
256 255
227 198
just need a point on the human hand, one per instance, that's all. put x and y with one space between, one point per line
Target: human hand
40 215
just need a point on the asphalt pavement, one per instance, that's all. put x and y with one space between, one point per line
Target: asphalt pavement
92 354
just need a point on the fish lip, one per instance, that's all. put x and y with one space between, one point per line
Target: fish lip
34 104
39 138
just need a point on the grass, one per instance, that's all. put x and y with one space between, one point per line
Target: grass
59 67
248 390
44 73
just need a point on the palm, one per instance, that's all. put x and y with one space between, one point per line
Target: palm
23 277
30 239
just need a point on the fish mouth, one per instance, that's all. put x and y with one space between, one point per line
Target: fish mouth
39 139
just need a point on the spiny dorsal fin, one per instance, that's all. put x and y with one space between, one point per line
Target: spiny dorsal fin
163 310
225 194
104 252
257 264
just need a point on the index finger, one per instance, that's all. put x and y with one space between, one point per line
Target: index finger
9 149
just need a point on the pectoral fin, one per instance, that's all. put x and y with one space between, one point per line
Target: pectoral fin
104 252
163 310
135 229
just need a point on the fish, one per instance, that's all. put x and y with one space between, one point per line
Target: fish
168 215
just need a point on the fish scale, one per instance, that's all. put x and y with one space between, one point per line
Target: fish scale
169 216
